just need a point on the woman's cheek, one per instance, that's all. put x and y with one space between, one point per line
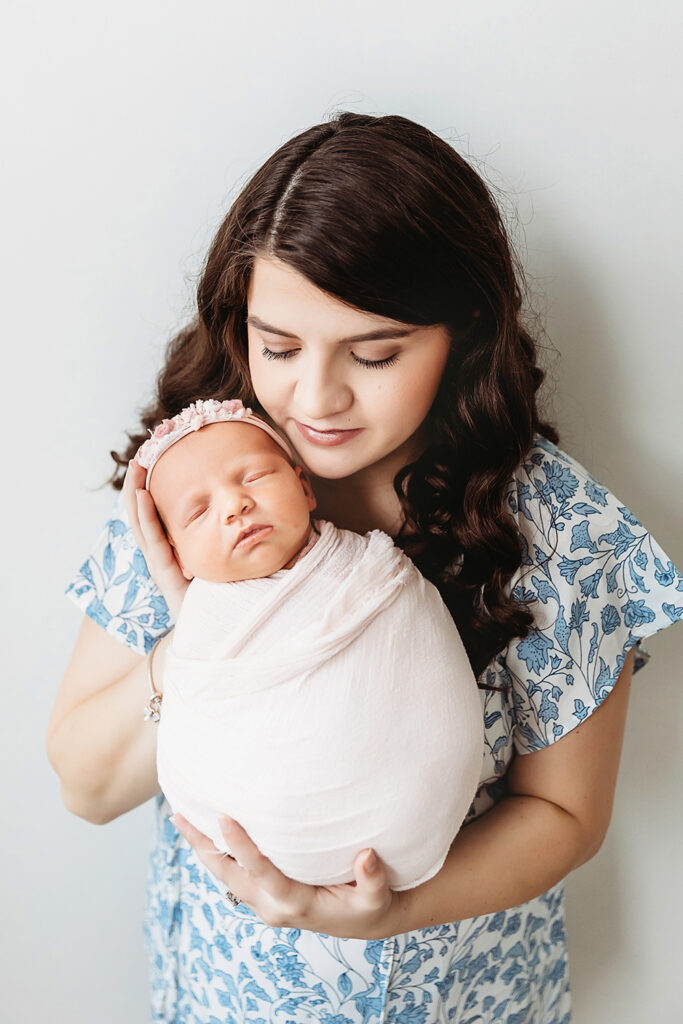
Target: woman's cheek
267 398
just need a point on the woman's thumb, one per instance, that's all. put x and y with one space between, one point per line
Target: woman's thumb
370 862
369 870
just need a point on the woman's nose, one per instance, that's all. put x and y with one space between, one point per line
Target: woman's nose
320 392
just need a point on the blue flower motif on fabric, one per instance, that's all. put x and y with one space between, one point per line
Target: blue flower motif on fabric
607 574
534 650
559 480
114 588
609 619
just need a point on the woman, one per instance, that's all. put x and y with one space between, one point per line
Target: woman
362 293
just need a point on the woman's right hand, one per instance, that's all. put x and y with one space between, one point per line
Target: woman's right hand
150 537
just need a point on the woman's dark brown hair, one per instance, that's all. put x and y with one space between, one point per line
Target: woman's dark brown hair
385 216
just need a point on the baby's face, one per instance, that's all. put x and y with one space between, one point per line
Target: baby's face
233 506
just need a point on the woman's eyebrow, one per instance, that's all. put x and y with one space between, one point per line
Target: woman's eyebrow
378 335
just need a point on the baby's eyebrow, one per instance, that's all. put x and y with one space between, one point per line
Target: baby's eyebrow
186 502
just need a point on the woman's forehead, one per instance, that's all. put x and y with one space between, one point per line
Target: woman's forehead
280 296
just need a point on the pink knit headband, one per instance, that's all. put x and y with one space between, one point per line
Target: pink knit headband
194 417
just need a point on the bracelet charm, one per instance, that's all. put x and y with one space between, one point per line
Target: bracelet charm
152 710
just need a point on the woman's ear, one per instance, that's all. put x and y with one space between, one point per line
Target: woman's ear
306 487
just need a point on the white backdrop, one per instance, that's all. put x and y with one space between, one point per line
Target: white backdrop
129 129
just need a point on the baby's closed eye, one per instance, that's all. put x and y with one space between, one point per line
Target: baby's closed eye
195 514
256 476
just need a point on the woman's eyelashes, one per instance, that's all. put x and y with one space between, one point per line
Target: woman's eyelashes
269 353
387 361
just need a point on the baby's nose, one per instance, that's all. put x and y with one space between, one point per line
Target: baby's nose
236 507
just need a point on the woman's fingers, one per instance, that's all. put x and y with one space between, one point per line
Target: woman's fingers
151 539
220 864
360 909
246 872
152 531
248 856
133 481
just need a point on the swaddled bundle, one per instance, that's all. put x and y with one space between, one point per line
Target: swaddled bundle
328 707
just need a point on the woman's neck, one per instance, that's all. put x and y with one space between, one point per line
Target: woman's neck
362 502
357 510
366 500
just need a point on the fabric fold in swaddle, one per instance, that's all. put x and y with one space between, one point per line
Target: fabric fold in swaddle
327 708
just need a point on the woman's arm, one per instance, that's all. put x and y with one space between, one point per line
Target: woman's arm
554 819
97 740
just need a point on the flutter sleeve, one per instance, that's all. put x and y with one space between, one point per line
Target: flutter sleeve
597 584
114 588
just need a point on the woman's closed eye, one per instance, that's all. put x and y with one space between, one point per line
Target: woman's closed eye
387 361
270 353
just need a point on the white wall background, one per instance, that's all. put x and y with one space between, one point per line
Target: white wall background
126 131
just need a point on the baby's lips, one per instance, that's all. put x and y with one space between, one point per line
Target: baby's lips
250 529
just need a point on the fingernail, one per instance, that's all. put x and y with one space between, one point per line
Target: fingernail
173 821
370 862
226 823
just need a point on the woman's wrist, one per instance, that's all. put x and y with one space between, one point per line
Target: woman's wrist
540 841
397 919
156 662
152 710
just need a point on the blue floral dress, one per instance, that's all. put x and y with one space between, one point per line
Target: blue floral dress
597 584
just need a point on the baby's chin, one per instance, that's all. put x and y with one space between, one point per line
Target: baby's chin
237 571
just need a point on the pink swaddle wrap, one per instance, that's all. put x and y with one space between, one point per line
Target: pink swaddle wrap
327 708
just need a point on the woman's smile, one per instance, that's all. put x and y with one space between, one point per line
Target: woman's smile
326 437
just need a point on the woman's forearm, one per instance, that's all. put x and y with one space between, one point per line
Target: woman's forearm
514 852
105 752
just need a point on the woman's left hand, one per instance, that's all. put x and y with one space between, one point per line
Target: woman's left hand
364 909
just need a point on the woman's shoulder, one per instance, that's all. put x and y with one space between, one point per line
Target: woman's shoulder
596 583
551 480
113 586
581 537
565 516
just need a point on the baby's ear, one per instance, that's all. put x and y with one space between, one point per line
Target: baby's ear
179 560
306 485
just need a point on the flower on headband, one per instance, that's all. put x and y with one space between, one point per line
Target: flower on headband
195 416
235 407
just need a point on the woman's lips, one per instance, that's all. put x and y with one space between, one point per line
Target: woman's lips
326 437
252 535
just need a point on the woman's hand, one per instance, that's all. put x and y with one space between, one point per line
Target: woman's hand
364 909
151 539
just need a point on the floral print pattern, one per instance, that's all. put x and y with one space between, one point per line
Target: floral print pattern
597 584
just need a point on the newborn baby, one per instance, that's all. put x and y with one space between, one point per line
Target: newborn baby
316 688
